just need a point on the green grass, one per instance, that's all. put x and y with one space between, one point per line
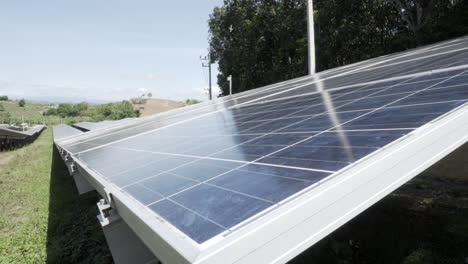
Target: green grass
43 220
29 111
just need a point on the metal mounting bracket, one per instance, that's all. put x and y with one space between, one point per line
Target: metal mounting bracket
125 246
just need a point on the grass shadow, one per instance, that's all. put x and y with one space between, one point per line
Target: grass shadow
74 234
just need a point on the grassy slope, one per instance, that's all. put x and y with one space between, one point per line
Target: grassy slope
32 113
29 111
42 218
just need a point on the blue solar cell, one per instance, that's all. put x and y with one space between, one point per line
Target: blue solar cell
304 163
312 176
215 144
280 139
358 139
143 194
440 75
311 110
246 152
112 167
401 117
346 95
168 184
268 187
410 87
224 207
204 170
274 114
138 173
322 153
437 95
323 122
373 102
195 226
271 126
458 80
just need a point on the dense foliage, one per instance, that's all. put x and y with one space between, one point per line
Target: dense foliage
112 111
22 103
265 41
192 101
3 98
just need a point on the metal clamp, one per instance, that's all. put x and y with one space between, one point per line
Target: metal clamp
104 208
73 167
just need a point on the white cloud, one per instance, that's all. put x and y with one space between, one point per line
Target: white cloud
150 76
215 90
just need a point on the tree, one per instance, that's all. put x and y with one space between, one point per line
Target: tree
192 101
115 111
64 110
80 108
22 103
150 95
3 98
265 41
245 44
50 111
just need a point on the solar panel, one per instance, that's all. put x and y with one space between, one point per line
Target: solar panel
88 126
207 172
63 131
19 134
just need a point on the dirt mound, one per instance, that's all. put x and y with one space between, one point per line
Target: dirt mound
153 106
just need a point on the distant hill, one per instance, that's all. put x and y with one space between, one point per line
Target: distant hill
153 106
60 100
31 112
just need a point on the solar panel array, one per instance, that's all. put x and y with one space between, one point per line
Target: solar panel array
63 131
19 134
89 126
209 168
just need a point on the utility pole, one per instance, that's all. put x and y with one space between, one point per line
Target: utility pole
229 78
206 62
310 27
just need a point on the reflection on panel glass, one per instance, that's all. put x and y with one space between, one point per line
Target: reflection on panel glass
209 168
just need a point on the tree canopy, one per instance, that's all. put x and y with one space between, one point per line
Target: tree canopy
22 103
261 42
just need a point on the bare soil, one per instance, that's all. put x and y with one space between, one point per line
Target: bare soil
154 106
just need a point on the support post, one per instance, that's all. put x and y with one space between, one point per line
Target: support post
311 38
209 74
230 84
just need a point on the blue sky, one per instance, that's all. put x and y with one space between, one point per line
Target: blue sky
103 49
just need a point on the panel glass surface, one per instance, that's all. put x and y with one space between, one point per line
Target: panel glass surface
209 168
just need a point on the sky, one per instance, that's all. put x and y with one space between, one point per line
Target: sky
104 50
